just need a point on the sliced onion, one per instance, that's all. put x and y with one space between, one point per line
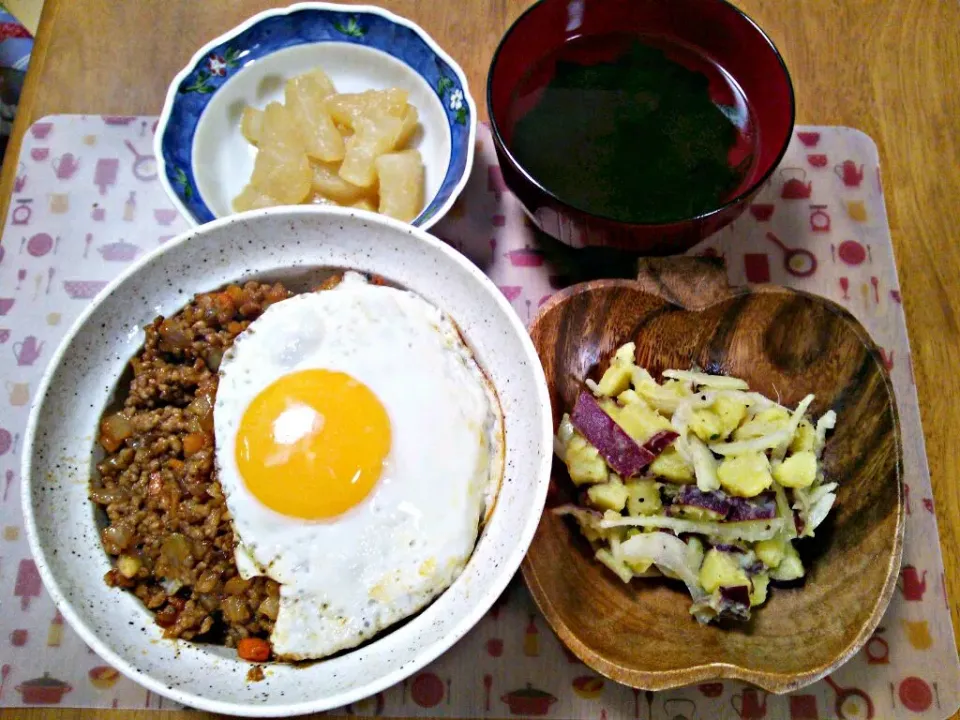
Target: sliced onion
717 382
748 531
655 394
781 449
818 513
814 497
826 423
582 515
667 552
760 444
704 465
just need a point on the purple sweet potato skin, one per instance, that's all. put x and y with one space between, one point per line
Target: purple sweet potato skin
660 441
729 509
762 507
735 601
621 452
722 547
713 501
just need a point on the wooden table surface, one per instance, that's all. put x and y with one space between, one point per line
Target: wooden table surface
887 67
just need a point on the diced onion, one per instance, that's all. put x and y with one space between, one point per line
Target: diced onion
814 504
756 402
104 496
171 587
202 408
114 430
128 565
270 607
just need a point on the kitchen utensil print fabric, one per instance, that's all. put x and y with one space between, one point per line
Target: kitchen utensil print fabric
78 215
86 204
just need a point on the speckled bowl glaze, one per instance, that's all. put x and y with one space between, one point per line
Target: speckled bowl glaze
204 160
293 245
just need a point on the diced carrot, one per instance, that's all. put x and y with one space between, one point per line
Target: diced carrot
193 443
330 283
225 303
237 295
276 293
234 328
167 617
253 649
109 443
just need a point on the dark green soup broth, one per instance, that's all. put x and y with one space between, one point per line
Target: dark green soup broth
633 129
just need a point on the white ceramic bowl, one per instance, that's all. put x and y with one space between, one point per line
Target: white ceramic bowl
204 160
288 244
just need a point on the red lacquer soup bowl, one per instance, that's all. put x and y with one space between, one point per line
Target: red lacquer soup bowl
711 37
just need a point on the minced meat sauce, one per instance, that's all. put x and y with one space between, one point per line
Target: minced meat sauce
169 530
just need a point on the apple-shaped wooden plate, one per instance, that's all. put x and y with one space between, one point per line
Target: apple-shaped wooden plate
785 344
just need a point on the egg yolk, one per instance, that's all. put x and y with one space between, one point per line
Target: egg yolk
312 444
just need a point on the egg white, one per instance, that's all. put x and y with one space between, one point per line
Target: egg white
347 578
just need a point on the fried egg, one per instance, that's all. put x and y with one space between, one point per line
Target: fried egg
359 447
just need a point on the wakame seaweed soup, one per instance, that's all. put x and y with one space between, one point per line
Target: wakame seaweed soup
633 129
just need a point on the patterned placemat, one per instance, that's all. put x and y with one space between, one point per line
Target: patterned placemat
86 203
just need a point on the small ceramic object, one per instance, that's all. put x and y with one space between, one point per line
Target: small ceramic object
299 246
203 159
785 344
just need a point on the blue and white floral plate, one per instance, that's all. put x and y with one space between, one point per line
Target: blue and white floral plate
204 159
